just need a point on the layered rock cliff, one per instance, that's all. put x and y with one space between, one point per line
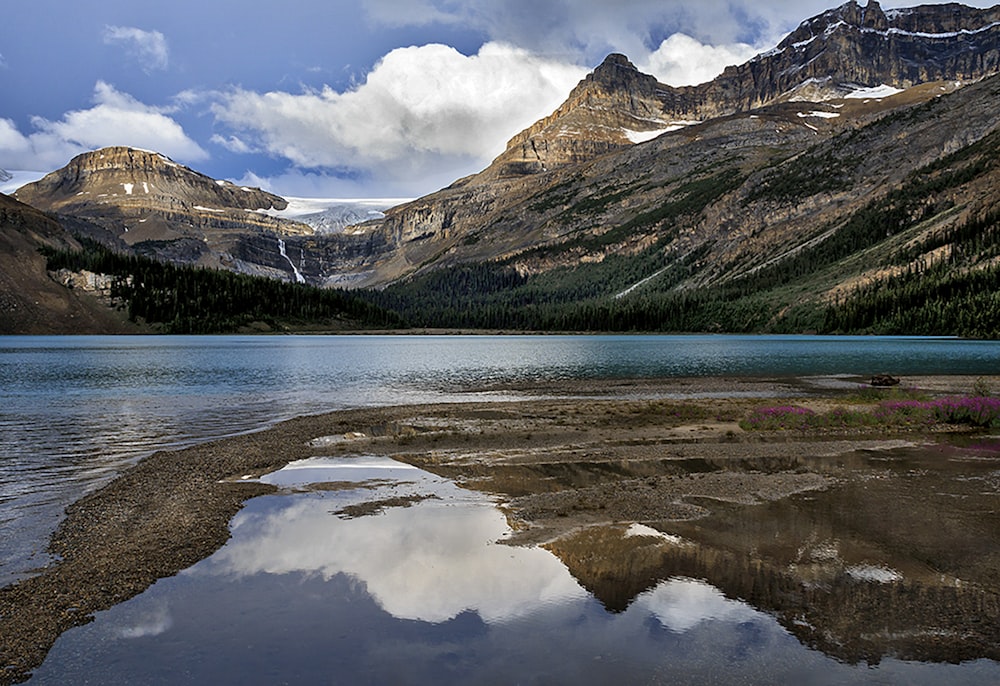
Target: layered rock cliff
165 209
840 50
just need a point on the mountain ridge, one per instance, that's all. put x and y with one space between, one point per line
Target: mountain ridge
167 210
845 45
577 211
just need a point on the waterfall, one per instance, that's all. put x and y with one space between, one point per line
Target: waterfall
298 275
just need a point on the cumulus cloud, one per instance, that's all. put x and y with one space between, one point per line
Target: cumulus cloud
583 30
683 61
149 47
419 108
115 119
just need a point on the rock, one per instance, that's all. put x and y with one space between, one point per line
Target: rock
884 380
846 45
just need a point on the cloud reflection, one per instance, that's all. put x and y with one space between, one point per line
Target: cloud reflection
430 562
682 604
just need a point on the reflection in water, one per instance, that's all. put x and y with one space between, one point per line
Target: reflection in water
429 594
429 562
682 604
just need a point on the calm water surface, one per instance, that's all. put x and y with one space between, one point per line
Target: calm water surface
423 594
75 409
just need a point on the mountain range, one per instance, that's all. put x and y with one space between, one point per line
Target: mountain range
860 154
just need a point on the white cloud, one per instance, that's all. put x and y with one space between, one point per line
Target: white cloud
233 144
149 47
683 61
115 119
587 30
419 108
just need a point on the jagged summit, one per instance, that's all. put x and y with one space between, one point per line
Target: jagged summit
867 45
610 109
825 57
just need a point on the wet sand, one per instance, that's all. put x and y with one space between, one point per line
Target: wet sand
580 454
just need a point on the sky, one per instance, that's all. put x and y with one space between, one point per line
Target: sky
326 98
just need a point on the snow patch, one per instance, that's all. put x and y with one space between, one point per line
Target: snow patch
875 92
643 136
145 187
874 573
128 188
819 114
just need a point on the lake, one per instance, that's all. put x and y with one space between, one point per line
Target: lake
422 594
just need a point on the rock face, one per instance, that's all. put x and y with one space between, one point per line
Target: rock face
5 176
132 178
162 208
613 102
840 50
31 302
566 189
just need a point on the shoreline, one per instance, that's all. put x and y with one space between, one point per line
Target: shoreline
173 509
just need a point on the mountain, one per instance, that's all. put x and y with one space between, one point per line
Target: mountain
31 302
828 56
861 149
163 209
858 158
5 176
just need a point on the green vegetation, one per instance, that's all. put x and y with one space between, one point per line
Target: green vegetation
974 411
957 295
806 175
191 300
649 286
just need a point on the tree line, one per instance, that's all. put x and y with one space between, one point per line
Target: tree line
184 299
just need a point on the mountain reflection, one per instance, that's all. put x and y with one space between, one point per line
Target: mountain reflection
836 569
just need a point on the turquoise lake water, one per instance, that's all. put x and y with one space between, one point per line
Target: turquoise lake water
75 409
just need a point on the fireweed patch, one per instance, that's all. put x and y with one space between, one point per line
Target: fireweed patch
974 411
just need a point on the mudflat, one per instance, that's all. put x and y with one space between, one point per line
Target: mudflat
576 460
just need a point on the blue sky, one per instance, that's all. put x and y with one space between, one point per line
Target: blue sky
372 98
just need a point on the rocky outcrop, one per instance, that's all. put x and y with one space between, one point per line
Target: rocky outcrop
611 103
132 178
31 302
5 176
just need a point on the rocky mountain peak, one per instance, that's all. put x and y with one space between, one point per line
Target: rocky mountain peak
5 176
843 48
615 69
146 200
139 177
605 112
850 15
